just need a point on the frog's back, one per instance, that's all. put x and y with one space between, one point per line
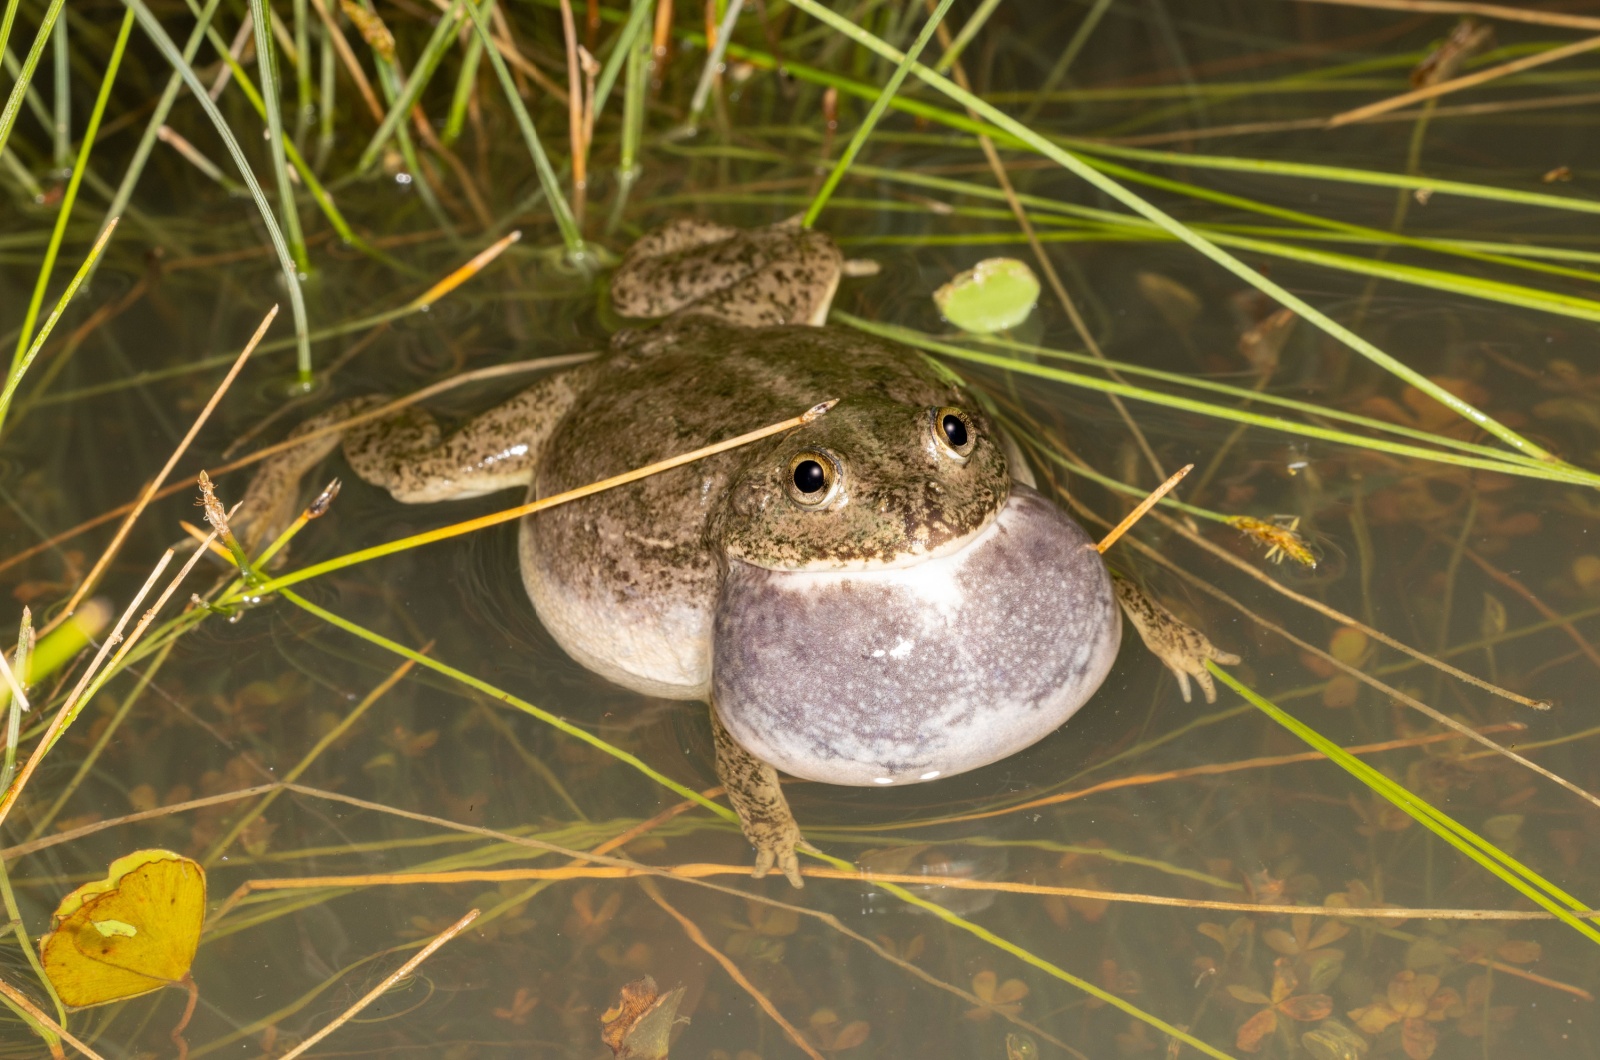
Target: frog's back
626 581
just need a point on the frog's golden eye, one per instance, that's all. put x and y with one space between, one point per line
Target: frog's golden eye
813 477
953 432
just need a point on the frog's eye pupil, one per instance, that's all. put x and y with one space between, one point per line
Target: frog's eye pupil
809 477
955 431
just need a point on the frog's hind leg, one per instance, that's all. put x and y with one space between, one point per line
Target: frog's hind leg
1182 648
780 274
764 813
408 455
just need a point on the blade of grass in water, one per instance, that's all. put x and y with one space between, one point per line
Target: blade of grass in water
421 74
169 95
1521 878
14 377
1088 173
319 194
1530 469
504 697
879 105
61 125
69 198
8 116
899 892
638 19
267 67
7 20
291 278
577 253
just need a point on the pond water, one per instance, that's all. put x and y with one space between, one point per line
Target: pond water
1091 896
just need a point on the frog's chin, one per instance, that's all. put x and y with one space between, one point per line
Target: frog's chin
894 676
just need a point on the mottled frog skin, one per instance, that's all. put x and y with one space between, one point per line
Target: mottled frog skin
877 597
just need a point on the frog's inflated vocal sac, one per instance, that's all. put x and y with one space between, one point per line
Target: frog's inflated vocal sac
878 597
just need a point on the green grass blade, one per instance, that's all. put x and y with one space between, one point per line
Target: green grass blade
7 20
1094 177
969 30
1099 993
8 116
14 377
879 105
638 19
330 210
1335 174
466 81
1531 469
69 197
61 115
267 65
708 75
421 74
291 277
1519 876
509 700
576 251
152 129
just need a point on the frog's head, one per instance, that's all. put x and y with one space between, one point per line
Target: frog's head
873 484
895 608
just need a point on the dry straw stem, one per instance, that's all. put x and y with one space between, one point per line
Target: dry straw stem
1339 616
33 846
1516 66
1047 266
1210 769
1356 672
1498 11
21 1000
613 869
418 304
1143 507
378 991
508 514
149 492
98 673
395 677
698 937
597 854
476 376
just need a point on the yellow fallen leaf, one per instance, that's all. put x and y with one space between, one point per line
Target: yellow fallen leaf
133 932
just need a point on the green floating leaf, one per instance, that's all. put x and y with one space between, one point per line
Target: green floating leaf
993 295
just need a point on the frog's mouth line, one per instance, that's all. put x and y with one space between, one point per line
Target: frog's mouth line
899 562
902 674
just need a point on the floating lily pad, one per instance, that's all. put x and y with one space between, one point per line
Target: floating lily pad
993 295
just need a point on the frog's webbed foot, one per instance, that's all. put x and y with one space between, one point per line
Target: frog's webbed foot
1182 648
764 814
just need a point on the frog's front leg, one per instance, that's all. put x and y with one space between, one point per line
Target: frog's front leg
1180 646
764 813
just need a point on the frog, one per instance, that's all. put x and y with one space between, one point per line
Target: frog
879 596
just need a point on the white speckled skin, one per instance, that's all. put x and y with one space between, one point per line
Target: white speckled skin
897 676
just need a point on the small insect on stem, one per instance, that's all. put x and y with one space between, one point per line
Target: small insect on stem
1281 538
1144 506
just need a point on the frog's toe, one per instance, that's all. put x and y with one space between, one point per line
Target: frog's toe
1181 648
780 850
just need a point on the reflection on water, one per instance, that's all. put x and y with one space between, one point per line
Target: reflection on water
1126 849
